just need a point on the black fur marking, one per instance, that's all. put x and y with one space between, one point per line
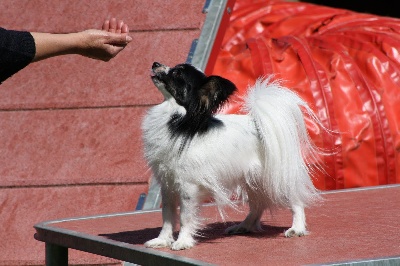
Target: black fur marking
188 127
192 125
201 96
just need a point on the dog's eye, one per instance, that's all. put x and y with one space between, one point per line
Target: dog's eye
176 73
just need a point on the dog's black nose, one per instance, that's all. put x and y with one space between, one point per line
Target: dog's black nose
156 64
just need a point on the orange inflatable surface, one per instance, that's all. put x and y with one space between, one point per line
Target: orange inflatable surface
345 64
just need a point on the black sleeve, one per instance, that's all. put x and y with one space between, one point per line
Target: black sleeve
17 50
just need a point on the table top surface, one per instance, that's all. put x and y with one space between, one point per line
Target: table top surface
349 225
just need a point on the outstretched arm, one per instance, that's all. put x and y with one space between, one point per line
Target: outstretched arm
97 44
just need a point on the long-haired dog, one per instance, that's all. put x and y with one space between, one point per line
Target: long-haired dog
265 156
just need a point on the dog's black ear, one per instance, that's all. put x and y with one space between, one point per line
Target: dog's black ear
215 91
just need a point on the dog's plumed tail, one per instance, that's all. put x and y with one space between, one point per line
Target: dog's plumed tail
286 148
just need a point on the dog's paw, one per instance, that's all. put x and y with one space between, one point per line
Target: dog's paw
292 232
183 244
159 243
237 229
244 228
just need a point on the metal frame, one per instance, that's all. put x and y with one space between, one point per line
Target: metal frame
56 255
58 240
212 33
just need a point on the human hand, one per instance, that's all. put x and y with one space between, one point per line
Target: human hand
106 43
97 44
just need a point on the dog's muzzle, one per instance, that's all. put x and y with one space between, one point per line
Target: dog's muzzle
158 69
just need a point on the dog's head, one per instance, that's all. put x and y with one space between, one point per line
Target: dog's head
191 88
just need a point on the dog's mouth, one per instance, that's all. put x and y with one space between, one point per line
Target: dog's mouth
158 71
159 76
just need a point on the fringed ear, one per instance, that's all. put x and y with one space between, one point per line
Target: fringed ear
214 93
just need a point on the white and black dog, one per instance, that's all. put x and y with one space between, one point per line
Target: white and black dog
265 156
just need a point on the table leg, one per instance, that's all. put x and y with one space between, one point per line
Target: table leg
56 255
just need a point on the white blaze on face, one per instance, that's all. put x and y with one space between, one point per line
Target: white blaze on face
157 82
160 69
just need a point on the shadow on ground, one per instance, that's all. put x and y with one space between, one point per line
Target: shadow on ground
211 232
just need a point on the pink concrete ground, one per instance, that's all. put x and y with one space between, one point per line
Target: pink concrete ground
70 142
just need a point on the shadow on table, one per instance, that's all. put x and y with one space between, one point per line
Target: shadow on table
212 232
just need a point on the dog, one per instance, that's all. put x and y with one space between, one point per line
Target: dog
264 156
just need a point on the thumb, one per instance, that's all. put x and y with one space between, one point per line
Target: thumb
115 38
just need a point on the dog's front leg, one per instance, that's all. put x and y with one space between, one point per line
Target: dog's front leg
189 221
169 213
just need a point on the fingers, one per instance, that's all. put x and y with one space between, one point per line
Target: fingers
106 25
115 26
119 26
125 28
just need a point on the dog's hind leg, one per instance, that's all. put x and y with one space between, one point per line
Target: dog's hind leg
250 224
252 221
299 222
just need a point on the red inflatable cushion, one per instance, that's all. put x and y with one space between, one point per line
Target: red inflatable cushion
345 64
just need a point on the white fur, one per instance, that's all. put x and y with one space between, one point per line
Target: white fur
258 156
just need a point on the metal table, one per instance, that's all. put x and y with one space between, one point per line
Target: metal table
350 226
